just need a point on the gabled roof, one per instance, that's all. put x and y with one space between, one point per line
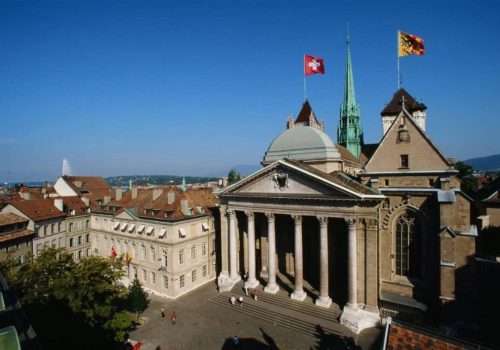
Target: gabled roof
336 179
92 187
74 203
395 122
304 114
395 106
38 209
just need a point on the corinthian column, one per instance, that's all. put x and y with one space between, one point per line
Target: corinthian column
298 293
271 287
252 281
323 300
233 275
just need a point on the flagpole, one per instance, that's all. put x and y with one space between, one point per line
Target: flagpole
305 86
399 83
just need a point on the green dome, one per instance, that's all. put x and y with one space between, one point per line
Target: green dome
302 143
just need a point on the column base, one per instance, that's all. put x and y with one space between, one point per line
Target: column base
252 284
298 295
357 319
271 288
323 302
225 283
235 278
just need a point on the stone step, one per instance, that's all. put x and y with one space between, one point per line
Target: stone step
282 299
276 317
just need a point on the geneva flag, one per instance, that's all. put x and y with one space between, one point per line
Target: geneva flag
313 65
409 44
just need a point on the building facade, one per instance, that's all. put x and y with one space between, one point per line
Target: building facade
385 232
16 240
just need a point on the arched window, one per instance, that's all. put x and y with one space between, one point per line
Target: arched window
407 247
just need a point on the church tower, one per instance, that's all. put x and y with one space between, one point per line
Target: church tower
349 131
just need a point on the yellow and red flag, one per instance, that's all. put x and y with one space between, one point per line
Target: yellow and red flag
128 258
409 44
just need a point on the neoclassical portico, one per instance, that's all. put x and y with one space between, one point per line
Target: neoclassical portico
282 197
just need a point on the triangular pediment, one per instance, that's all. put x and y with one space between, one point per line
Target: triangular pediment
406 138
293 179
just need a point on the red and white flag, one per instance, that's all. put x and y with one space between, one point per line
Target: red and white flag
113 252
313 65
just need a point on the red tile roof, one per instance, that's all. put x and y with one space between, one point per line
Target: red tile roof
74 203
38 209
304 114
8 219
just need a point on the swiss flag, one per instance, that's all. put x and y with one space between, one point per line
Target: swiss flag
313 65
113 252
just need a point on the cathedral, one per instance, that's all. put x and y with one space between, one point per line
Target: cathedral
374 229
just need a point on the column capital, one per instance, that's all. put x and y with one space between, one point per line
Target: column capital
350 222
230 212
371 223
323 220
250 214
270 217
297 219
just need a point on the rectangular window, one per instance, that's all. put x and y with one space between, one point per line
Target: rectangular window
165 281
181 281
386 182
181 256
143 253
193 275
53 228
404 161
144 275
153 278
70 229
152 254
71 242
165 258
204 271
79 240
431 182
59 227
204 249
86 224
87 238
193 253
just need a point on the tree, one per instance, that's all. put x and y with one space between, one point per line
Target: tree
466 175
92 289
233 176
137 299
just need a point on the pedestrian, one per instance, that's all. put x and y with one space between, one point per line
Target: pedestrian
173 318
236 342
240 299
232 300
245 285
254 294
162 313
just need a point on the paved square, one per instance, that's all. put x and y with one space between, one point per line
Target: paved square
207 320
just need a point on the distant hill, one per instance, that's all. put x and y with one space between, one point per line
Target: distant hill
485 163
157 179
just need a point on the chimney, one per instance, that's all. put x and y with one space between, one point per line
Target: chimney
106 200
170 197
25 195
184 206
58 203
134 193
118 193
157 193
86 201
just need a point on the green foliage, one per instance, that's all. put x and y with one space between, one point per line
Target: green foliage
137 300
233 176
89 290
466 175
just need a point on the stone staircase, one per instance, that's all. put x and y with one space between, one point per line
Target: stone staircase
278 309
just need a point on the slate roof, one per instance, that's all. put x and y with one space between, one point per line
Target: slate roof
411 105
38 209
4 237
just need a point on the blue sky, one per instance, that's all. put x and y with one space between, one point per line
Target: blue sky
196 87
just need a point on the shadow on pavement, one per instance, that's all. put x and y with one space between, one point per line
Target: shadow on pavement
251 343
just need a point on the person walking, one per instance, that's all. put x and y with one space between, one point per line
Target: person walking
240 299
254 294
245 286
236 342
162 313
173 318
232 300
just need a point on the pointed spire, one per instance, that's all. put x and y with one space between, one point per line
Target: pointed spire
349 131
